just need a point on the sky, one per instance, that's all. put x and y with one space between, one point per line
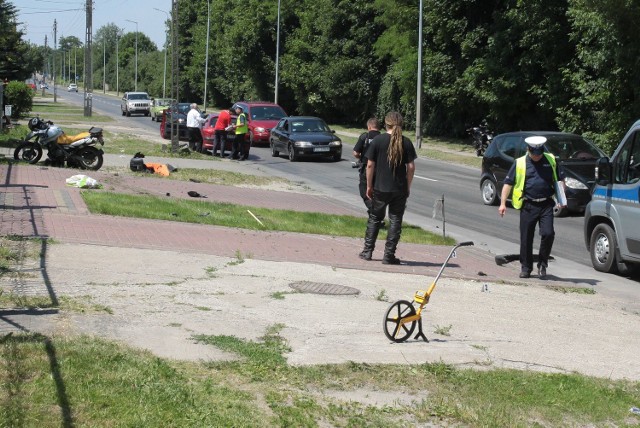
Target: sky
35 18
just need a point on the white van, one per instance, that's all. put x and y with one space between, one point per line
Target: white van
612 218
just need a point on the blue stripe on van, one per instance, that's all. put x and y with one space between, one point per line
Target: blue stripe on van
626 195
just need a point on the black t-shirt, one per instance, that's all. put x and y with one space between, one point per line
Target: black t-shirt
388 179
363 144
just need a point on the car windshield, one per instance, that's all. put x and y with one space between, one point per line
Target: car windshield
184 108
572 147
267 113
163 102
309 125
138 97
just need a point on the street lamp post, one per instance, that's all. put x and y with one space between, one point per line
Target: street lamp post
104 65
117 63
166 47
419 85
277 53
136 66
206 56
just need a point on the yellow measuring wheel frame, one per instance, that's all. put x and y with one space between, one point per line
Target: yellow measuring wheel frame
402 316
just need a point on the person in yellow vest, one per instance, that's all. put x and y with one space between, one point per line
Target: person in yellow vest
242 128
533 178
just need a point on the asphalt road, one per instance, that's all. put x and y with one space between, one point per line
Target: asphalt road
465 214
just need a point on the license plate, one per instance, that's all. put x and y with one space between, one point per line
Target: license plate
321 149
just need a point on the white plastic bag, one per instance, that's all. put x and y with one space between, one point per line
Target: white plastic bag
83 182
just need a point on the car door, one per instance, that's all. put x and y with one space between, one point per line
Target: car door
626 191
280 138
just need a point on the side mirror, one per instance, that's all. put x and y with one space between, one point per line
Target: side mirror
603 171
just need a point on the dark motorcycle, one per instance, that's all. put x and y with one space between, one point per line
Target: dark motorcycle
76 151
481 137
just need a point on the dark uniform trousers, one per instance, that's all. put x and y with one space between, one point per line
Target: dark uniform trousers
362 186
533 213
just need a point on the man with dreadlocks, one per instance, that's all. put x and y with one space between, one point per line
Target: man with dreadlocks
391 162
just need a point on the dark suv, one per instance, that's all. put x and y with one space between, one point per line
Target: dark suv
577 156
261 117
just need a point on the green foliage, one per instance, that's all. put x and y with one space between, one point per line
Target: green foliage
13 61
20 96
567 65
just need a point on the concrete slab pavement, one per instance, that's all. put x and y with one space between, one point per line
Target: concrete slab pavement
166 281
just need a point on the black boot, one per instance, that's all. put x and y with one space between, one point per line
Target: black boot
393 236
370 237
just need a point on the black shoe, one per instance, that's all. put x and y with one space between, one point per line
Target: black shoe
216 155
525 274
365 255
542 272
390 260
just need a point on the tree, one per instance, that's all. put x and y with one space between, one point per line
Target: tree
327 63
13 65
603 74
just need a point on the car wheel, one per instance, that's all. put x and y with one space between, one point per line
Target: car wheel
602 247
560 212
128 113
489 192
337 157
123 113
292 154
274 152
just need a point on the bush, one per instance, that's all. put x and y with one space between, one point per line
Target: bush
20 96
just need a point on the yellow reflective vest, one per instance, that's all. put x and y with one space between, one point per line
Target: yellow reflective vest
240 128
521 172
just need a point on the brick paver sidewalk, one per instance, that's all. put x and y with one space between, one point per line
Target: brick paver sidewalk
35 201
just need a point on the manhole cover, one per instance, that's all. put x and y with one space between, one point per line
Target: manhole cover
323 288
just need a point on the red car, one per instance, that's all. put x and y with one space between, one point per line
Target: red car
261 117
208 134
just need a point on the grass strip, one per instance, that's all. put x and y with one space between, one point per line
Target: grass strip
237 216
83 381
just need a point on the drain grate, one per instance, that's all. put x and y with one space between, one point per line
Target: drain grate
323 288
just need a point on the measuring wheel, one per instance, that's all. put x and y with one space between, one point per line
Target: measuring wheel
391 323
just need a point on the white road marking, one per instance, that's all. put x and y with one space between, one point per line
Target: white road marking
424 178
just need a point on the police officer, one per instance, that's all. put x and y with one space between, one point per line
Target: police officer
242 128
359 151
532 178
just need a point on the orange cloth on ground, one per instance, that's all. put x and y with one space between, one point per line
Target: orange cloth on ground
158 168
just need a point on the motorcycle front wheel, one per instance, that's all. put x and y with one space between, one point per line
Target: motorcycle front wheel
90 158
28 151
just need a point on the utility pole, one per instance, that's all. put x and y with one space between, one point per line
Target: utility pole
175 87
277 53
419 85
88 81
44 78
206 57
55 47
104 65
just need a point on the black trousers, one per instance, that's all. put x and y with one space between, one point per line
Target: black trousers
531 215
195 139
396 202
219 141
240 148
362 186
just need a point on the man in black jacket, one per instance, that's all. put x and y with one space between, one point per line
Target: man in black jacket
359 151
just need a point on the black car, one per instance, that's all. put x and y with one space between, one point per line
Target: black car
304 136
176 113
577 156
